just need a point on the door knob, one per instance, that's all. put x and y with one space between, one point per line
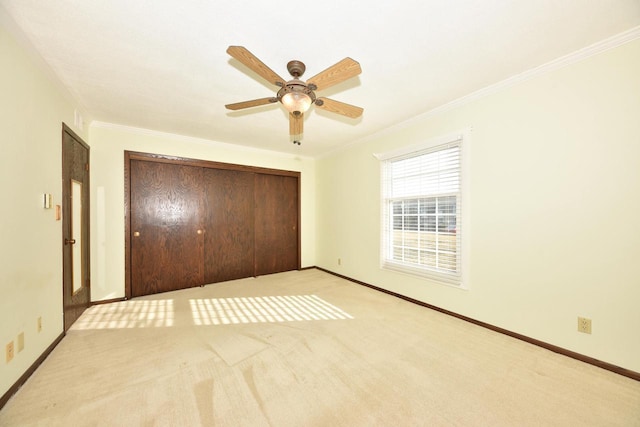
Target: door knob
136 234
69 241
200 231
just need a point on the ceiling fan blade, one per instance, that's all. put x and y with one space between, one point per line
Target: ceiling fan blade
296 123
335 74
339 107
252 103
250 60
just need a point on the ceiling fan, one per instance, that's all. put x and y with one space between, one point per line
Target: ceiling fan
296 95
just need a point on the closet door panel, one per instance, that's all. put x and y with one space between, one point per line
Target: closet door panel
229 225
166 227
276 223
192 222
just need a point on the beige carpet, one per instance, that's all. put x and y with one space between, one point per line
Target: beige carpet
306 349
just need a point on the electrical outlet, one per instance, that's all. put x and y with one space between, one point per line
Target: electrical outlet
39 324
584 325
20 342
9 351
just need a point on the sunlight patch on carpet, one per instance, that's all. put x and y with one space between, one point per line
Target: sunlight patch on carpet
128 314
269 309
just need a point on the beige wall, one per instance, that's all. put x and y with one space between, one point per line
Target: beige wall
32 109
108 144
555 203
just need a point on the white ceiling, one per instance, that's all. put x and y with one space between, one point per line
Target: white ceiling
162 64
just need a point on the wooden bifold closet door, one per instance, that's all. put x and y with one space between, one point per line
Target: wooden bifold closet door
191 223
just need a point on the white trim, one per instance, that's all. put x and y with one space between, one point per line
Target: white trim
192 139
464 136
441 140
563 61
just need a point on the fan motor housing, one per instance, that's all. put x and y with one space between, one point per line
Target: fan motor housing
296 68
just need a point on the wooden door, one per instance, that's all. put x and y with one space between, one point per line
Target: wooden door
166 227
228 242
75 227
276 223
191 222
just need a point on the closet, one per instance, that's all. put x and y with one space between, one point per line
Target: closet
193 222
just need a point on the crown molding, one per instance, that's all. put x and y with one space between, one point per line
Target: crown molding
563 61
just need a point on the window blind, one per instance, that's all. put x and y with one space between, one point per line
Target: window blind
422 212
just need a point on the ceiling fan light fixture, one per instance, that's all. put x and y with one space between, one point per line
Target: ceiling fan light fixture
296 96
296 102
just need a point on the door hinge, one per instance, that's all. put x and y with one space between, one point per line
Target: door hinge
86 166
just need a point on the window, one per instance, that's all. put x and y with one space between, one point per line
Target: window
422 210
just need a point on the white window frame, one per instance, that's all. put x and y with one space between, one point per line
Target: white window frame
458 279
